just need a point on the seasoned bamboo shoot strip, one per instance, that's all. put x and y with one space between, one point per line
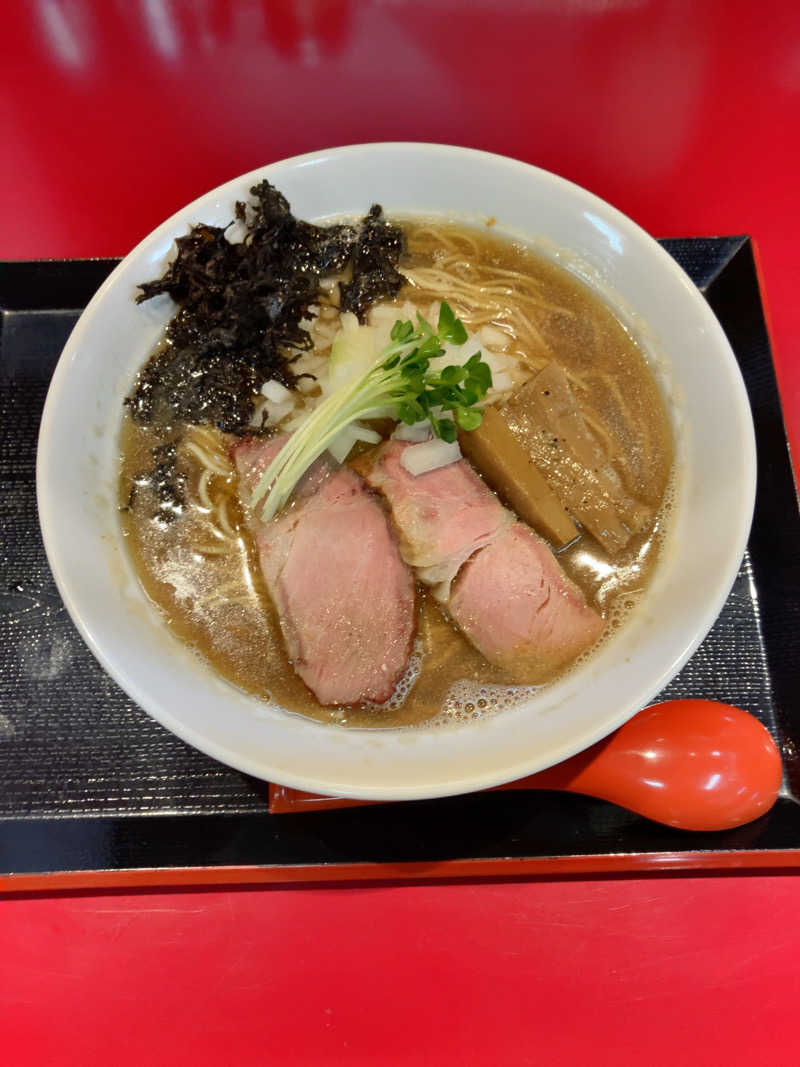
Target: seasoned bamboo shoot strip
510 471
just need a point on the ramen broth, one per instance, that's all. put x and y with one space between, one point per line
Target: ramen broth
207 582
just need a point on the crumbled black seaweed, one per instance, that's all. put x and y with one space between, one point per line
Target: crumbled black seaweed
241 304
375 257
163 484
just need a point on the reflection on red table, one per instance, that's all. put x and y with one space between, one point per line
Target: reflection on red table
684 114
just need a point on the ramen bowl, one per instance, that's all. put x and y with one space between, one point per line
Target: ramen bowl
78 469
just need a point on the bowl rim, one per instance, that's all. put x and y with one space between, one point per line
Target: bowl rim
71 595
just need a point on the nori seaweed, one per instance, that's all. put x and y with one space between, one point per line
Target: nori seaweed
377 251
240 306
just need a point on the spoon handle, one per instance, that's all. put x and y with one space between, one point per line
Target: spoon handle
692 764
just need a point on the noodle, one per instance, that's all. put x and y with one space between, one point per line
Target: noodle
215 487
437 279
202 485
212 550
206 447
224 521
447 240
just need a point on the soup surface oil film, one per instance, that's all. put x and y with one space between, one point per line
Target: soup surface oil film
190 544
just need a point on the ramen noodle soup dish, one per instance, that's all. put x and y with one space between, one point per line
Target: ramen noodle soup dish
391 472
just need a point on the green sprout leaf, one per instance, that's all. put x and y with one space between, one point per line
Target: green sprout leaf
469 418
402 331
447 430
450 328
453 375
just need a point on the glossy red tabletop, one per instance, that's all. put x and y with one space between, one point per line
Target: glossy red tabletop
684 114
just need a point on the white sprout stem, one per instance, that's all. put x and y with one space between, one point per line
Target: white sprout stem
332 415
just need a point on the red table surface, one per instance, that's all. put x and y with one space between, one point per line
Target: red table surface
684 114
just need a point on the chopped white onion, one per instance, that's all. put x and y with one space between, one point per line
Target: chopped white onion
365 434
274 391
429 456
267 413
495 361
236 233
258 411
277 412
342 444
418 431
323 331
502 381
494 337
322 382
309 362
307 385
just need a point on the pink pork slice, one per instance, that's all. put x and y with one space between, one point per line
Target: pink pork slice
443 517
344 597
510 597
516 605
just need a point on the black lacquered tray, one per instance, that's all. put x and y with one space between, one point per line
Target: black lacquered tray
94 792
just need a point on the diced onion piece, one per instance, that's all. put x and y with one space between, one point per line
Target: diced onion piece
322 382
365 434
274 391
390 313
494 337
308 363
418 431
429 456
502 381
258 410
456 355
495 361
269 414
340 446
277 412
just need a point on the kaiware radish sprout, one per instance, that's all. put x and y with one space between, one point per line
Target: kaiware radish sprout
399 383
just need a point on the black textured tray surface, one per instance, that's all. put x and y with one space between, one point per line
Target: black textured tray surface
76 755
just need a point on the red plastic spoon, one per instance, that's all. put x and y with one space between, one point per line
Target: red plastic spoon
692 764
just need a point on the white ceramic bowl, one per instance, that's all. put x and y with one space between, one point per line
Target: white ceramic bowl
78 458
